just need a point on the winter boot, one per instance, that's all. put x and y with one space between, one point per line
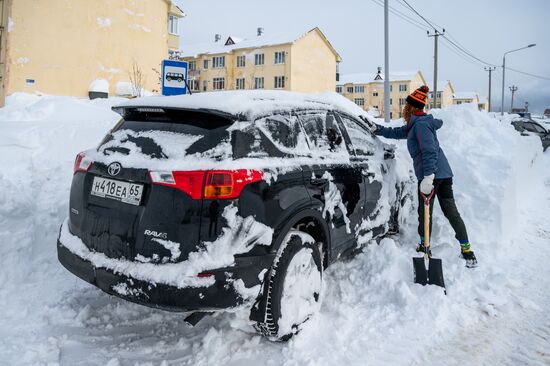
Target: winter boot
468 255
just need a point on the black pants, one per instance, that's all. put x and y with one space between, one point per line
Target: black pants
444 192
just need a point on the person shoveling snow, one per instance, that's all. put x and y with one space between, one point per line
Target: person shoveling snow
430 166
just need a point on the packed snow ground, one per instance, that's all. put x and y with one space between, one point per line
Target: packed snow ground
372 313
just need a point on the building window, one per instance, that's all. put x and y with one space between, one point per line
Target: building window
205 64
391 115
374 93
359 88
339 89
259 83
241 61
173 24
259 59
391 88
204 85
218 62
239 83
279 57
402 87
192 65
401 101
391 101
360 101
459 102
218 83
279 82
350 89
194 84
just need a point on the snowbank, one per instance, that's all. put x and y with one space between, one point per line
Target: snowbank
372 312
99 85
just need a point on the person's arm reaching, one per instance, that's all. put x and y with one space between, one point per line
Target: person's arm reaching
396 133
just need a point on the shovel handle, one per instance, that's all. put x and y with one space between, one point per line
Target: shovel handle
427 220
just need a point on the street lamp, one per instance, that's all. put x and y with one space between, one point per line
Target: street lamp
504 72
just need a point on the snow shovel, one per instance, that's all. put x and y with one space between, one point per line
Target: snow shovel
428 270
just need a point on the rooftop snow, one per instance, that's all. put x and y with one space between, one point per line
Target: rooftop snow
465 95
250 103
192 50
366 77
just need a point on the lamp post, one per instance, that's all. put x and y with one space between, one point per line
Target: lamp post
504 72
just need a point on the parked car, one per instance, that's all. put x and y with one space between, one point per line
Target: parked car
214 201
530 127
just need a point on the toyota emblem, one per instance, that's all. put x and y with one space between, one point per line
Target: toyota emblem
114 168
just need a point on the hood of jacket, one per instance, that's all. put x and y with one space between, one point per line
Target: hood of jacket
426 118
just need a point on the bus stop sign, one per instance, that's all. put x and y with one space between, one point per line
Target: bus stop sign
174 77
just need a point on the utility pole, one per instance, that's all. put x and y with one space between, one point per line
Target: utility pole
490 69
386 64
513 89
436 36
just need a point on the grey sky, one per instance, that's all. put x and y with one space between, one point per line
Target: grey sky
487 28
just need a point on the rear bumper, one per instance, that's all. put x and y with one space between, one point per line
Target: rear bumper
221 295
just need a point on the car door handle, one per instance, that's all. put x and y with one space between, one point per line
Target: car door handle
319 181
366 173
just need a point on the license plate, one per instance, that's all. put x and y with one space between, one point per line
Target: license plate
114 189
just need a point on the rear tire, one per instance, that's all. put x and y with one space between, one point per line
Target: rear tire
294 287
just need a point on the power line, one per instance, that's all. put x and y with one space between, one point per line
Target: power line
420 15
402 15
469 53
527 73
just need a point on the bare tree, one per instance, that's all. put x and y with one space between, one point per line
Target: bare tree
137 79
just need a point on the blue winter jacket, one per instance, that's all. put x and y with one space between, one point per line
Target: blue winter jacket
423 145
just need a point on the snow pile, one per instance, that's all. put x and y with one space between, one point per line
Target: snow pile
251 103
99 85
372 312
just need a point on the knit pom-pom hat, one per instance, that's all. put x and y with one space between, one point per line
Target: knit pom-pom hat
418 97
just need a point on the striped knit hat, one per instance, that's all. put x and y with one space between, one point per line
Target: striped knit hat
418 97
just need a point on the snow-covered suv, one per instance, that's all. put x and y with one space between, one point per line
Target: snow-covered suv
215 201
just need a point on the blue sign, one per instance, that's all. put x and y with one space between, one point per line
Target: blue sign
174 77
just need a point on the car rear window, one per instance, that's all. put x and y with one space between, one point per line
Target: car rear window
169 133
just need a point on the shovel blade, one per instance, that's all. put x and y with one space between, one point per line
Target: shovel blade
433 275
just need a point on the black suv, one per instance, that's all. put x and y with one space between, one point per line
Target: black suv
215 201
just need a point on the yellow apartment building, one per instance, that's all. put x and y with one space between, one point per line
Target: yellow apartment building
306 63
469 98
60 47
367 89
445 95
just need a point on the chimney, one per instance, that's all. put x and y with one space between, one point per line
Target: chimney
260 31
217 37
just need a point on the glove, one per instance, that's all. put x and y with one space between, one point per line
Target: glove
427 184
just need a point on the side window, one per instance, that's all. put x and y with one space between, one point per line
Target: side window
278 135
284 132
362 139
323 133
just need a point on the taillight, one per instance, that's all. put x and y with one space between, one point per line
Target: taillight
81 163
218 184
221 184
